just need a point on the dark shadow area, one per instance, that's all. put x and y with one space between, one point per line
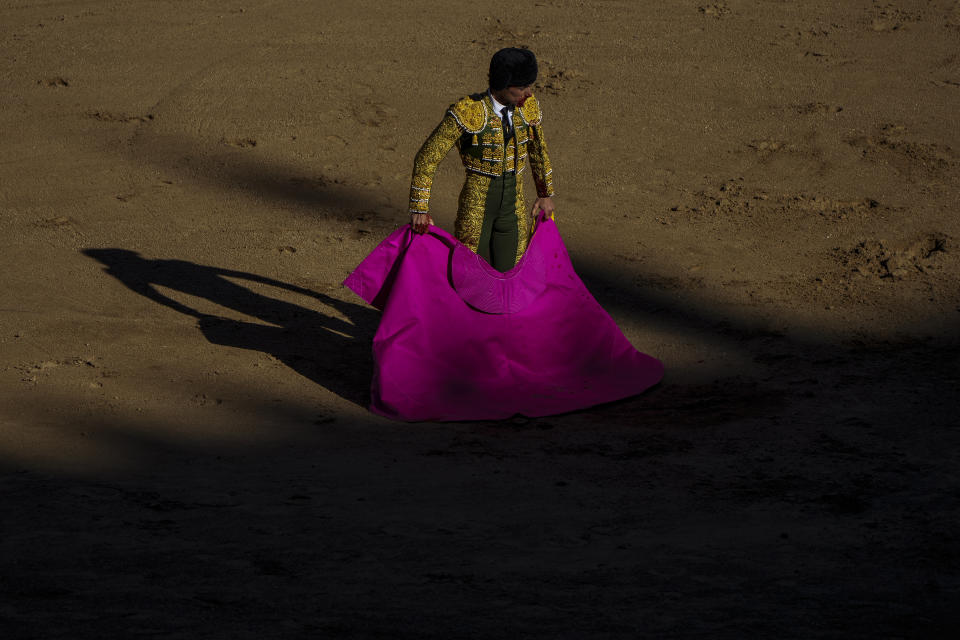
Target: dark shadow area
301 188
333 353
819 501
819 519
635 294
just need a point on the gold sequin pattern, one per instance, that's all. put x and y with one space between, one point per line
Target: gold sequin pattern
472 204
425 165
523 220
470 114
540 163
531 111
487 155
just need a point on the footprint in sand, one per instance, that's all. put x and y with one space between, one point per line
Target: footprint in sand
876 259
108 116
828 208
202 400
817 56
889 17
240 143
55 223
892 142
733 198
766 147
811 108
498 33
555 81
714 10
32 372
370 113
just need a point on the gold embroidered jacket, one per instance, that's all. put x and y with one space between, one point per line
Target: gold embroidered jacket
477 130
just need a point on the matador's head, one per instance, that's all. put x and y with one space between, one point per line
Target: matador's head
512 74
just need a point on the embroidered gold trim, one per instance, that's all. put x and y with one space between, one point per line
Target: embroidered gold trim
434 149
523 222
470 114
531 111
472 203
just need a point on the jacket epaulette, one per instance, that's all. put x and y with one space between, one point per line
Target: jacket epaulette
470 113
531 111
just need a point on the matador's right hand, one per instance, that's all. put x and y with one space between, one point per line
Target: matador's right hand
420 222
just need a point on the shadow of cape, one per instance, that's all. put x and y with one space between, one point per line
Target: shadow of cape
330 351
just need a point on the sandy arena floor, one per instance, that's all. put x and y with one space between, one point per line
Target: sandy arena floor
764 194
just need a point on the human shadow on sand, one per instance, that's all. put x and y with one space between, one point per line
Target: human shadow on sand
332 352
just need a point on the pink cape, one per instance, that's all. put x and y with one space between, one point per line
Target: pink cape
459 340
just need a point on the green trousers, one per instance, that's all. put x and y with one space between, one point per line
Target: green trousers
499 234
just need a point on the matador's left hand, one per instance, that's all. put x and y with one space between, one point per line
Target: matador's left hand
543 203
420 222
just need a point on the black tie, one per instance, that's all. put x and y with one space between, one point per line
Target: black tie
507 129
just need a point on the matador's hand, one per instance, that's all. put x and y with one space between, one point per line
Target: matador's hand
420 222
543 203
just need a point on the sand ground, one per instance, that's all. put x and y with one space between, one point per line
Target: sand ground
764 194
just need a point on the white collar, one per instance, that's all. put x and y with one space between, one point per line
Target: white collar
500 107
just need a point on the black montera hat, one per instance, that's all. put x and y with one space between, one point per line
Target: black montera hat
512 67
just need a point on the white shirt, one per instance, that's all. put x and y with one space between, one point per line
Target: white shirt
499 108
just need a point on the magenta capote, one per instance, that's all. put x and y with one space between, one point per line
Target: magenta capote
459 340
